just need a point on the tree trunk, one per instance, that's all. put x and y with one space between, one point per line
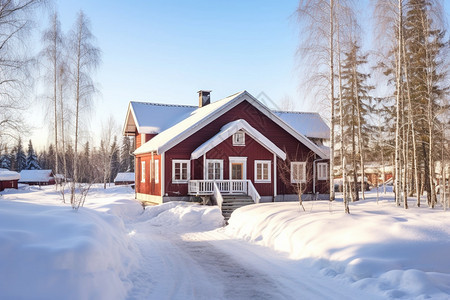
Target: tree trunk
332 122
397 122
360 141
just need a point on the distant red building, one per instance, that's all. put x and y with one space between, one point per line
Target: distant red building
37 177
8 179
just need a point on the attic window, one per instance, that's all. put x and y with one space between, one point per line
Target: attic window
239 138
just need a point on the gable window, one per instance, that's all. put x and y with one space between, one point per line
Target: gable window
156 168
298 172
181 170
239 138
143 171
262 170
214 169
322 171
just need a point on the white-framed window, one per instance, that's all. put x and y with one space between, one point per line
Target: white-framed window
239 138
214 169
322 171
181 170
298 172
142 171
156 170
262 170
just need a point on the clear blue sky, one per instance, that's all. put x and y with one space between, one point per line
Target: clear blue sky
165 51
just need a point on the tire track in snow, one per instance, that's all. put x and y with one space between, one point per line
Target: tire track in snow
174 268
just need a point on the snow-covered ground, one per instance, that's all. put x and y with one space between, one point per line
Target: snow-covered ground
113 249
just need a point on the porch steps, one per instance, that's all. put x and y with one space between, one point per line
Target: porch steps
232 202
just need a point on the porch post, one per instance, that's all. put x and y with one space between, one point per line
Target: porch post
204 167
163 174
274 176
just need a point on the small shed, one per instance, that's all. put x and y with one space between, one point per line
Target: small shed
8 179
124 178
37 177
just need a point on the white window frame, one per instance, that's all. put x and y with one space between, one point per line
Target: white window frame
188 170
213 161
263 163
298 163
156 170
143 171
236 140
322 171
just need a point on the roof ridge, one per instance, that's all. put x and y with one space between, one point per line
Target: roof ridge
164 104
296 112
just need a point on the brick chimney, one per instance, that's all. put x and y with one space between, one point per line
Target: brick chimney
204 98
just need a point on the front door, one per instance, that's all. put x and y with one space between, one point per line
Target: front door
238 168
237 171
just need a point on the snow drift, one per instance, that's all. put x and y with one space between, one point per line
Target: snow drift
388 250
53 252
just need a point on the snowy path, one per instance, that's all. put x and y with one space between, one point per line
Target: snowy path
209 265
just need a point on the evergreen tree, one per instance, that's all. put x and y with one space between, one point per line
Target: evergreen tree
355 109
424 47
5 159
50 158
125 157
69 158
86 174
115 164
32 161
21 160
42 160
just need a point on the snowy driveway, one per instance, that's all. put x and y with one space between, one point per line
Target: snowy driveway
177 264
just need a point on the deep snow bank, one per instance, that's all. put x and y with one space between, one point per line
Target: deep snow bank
53 252
381 248
184 216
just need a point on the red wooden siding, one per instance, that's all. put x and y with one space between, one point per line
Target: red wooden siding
143 138
295 150
149 187
8 184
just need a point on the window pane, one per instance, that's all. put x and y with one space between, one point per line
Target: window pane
265 172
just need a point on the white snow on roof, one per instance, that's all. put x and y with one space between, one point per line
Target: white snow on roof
310 125
35 175
202 116
153 118
170 137
8 175
124 177
228 130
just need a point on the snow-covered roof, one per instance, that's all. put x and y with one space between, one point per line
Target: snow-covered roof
231 128
175 134
124 177
203 116
308 123
8 175
153 118
35 175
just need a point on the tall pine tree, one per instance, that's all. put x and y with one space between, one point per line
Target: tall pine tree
21 160
355 109
32 161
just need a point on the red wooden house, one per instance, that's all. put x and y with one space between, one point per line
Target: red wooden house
234 145
8 179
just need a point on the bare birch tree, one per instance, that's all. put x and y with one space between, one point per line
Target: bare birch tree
85 58
15 25
52 52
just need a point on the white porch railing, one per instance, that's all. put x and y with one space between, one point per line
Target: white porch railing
206 187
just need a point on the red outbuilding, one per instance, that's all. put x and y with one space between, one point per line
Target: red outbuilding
236 145
8 179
